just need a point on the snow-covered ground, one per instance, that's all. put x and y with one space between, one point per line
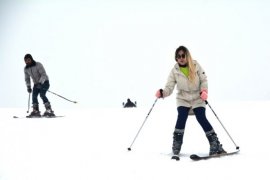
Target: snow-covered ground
92 144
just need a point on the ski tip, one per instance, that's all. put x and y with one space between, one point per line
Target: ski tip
194 157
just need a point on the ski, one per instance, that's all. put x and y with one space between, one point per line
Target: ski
52 116
196 157
22 117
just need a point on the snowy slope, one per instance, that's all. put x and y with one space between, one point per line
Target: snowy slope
92 144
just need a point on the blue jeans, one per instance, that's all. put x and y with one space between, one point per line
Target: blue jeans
42 91
200 116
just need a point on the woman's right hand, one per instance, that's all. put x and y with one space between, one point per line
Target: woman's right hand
159 93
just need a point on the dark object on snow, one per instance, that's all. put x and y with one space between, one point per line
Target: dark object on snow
129 104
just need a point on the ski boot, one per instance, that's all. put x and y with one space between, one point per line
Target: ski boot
177 141
35 113
49 112
215 146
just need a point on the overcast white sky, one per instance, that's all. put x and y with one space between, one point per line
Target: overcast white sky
100 53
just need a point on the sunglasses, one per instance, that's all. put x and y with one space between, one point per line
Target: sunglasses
179 56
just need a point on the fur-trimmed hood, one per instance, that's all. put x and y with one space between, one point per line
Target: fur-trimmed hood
33 63
36 71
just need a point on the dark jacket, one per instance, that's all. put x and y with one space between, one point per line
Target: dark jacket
129 104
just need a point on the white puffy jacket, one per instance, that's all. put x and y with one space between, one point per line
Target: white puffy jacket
188 94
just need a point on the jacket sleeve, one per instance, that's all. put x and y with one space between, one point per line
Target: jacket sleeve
169 87
202 77
27 78
43 74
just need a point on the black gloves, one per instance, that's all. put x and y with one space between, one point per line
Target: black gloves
37 86
29 90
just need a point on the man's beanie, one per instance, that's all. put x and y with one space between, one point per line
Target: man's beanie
28 56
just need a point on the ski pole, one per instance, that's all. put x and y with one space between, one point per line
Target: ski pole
237 147
28 103
142 125
61 96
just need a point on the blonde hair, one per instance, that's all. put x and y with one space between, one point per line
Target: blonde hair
191 66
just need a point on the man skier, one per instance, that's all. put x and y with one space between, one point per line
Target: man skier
36 71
